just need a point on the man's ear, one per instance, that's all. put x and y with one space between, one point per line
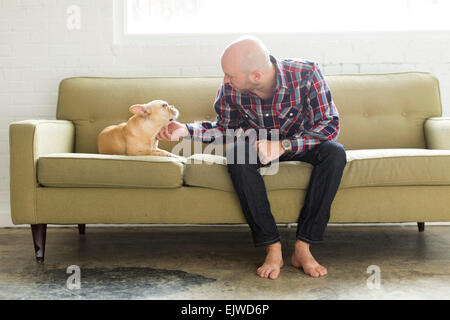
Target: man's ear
140 110
255 76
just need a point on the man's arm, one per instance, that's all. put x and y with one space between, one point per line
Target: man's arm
326 117
228 117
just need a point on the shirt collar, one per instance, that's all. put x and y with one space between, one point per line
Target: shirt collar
281 75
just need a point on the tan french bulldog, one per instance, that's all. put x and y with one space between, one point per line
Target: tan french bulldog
137 136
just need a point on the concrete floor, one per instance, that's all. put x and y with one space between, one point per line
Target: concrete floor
221 262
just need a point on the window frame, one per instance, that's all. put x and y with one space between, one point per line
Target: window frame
120 37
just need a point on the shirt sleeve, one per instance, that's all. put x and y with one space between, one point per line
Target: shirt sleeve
228 117
325 114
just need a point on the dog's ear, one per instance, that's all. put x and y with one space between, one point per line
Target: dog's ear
140 110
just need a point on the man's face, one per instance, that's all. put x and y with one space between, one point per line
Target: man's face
237 79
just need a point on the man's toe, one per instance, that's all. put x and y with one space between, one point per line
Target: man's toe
274 274
260 272
322 271
314 273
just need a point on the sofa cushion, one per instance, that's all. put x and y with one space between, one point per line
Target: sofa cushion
371 167
98 170
210 171
396 167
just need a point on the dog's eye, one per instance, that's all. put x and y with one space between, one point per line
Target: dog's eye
165 105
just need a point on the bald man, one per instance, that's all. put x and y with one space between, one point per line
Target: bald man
292 97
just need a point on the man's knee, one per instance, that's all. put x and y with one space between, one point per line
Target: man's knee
335 152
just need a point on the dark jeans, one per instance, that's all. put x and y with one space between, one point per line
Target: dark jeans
328 159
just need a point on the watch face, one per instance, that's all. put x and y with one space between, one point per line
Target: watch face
286 144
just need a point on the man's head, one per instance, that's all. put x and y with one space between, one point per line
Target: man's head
245 62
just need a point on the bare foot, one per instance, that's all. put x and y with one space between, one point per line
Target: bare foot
302 258
273 263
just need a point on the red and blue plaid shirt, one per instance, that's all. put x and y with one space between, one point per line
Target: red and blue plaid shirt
301 108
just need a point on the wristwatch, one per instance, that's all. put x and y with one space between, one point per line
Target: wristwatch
286 144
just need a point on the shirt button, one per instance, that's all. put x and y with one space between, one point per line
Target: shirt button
246 115
267 114
291 114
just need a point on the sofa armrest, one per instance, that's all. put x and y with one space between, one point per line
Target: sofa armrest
28 140
437 133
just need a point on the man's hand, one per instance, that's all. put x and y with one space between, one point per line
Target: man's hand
173 131
268 150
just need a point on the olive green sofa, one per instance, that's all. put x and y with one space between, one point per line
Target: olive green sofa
398 150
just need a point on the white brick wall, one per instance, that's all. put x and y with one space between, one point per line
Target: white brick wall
37 51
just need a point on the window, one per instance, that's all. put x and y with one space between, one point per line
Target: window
144 17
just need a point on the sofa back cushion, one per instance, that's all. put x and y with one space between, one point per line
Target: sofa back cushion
381 111
376 110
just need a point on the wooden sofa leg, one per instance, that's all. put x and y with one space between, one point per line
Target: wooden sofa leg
421 226
39 232
81 228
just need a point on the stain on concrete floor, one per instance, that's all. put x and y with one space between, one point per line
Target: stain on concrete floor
50 282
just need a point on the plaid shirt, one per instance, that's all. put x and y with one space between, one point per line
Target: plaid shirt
301 109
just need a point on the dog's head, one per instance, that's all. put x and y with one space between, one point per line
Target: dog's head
158 110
